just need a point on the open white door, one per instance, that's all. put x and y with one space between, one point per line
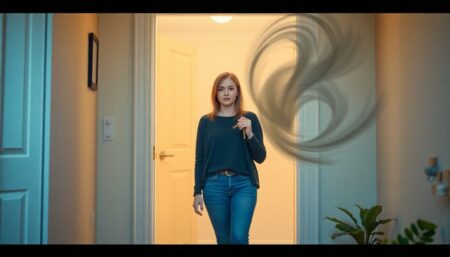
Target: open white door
174 143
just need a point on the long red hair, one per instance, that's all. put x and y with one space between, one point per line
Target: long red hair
238 104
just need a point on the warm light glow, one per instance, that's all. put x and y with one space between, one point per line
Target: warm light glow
221 19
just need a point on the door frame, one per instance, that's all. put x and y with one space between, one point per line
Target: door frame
47 125
307 194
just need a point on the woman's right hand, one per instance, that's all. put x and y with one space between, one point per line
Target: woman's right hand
198 202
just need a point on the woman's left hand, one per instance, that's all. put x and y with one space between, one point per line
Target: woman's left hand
244 123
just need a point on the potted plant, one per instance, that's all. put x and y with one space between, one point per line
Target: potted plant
363 231
420 232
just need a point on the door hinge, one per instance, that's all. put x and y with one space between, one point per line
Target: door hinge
153 152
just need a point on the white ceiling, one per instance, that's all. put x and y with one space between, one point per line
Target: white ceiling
192 27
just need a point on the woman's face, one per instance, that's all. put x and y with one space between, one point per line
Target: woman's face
227 92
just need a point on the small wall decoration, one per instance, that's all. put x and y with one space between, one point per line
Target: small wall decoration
93 61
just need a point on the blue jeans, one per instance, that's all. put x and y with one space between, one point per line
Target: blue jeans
230 202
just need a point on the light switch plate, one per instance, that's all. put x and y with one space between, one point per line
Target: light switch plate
108 128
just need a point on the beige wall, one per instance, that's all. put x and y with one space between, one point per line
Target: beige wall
114 180
73 133
413 56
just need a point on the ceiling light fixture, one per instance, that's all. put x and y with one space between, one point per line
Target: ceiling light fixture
221 19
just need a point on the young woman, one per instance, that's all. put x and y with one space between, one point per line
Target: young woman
229 140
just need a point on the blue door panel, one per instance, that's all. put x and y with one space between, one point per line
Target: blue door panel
22 133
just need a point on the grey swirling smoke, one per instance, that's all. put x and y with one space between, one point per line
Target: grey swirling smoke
310 77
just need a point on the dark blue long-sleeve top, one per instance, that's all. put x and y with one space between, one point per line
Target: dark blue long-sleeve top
221 147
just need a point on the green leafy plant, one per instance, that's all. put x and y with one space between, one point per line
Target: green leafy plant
420 232
364 231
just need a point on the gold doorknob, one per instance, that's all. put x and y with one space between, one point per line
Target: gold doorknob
163 155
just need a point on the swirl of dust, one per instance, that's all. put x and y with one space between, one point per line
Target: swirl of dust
310 77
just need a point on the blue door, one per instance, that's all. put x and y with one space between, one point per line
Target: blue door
25 66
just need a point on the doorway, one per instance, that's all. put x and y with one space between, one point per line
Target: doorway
198 53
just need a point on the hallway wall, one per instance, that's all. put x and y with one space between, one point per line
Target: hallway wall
114 187
352 178
73 133
413 56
